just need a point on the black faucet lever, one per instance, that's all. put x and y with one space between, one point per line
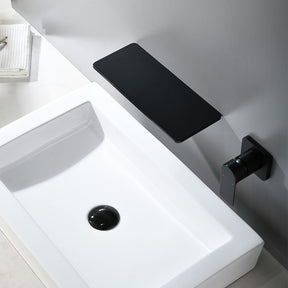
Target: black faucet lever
253 159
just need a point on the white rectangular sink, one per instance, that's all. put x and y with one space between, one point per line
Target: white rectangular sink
85 150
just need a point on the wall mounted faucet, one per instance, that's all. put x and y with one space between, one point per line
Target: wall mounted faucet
253 159
157 92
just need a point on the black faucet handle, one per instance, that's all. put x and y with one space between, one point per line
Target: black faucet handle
253 159
228 182
232 172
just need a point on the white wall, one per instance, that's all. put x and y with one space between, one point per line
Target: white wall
5 4
233 53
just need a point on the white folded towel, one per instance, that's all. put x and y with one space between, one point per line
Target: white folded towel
15 57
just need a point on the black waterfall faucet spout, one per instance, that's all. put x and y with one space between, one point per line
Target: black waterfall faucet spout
157 92
253 159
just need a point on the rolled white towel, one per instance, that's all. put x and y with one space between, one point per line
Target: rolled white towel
15 57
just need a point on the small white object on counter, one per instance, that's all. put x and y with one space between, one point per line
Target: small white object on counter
15 57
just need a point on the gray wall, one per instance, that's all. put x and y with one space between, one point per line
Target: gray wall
233 53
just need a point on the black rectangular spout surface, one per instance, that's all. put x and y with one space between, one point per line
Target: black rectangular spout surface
157 92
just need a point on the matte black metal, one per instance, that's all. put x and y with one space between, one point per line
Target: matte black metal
253 159
103 217
157 92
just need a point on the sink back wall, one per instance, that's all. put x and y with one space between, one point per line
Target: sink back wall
233 53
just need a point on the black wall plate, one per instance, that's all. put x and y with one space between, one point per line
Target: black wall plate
249 143
157 92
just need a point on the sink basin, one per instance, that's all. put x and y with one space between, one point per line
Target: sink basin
85 150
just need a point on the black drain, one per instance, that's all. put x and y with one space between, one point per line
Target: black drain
103 217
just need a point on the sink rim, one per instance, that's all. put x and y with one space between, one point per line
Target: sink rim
15 215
